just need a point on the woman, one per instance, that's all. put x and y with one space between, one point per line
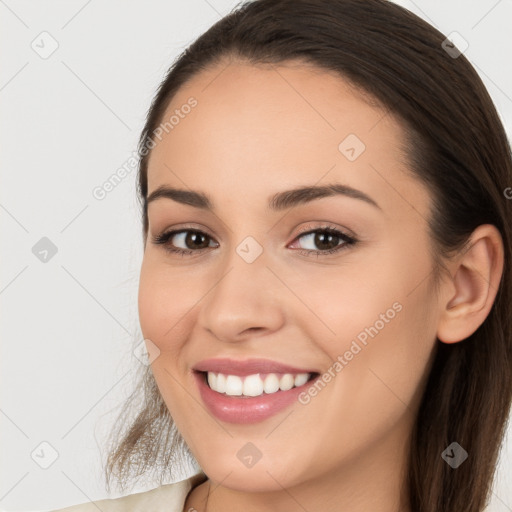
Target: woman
324 291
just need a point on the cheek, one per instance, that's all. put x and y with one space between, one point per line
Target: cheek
378 388
163 306
382 323
342 302
165 301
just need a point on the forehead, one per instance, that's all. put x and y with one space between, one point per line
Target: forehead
258 129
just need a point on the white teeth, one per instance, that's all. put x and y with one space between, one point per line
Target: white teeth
301 379
220 383
286 382
254 385
233 385
212 380
271 384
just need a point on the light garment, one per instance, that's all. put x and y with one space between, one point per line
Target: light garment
166 498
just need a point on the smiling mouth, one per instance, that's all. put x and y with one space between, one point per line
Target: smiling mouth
257 384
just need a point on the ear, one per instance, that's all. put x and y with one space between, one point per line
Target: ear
475 276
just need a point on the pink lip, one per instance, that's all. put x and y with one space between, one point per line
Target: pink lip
244 409
247 367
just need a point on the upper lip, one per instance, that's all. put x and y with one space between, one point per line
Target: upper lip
247 367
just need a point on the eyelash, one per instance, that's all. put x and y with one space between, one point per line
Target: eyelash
163 239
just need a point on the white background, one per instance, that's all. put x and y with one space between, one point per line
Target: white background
68 123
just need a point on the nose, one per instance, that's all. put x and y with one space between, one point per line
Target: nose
245 299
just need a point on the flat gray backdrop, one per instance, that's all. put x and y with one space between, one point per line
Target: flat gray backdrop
76 81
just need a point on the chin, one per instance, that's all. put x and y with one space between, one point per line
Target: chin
264 476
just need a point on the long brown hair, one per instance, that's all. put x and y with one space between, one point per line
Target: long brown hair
456 145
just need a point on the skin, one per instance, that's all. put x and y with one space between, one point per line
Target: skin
255 131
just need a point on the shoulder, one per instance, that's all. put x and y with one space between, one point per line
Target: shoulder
168 498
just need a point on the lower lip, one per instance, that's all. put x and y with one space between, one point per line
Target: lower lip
240 409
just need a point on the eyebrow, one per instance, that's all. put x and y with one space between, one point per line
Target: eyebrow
278 202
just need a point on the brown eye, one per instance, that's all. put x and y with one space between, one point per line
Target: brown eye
195 240
192 240
324 241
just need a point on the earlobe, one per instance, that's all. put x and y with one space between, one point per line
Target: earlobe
475 276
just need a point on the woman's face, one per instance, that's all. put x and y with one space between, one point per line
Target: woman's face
262 279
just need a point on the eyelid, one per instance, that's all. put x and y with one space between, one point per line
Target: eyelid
348 240
311 226
325 225
185 227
